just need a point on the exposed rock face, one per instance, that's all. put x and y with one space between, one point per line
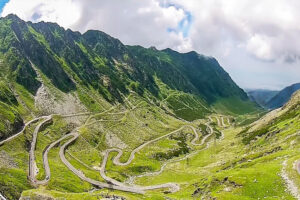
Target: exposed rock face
46 102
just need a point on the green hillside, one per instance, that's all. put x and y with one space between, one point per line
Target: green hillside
71 62
103 120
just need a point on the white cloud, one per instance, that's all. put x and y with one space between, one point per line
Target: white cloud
64 12
266 33
260 46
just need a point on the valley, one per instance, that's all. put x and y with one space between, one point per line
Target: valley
83 116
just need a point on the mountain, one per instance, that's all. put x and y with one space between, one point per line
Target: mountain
282 97
43 59
72 97
261 96
83 116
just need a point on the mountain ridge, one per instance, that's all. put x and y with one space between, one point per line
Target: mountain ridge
261 96
93 55
283 96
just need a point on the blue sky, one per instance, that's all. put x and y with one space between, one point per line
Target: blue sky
185 24
2 4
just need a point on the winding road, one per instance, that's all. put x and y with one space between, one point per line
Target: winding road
83 177
32 164
223 123
45 158
218 121
23 129
131 180
173 187
111 183
37 119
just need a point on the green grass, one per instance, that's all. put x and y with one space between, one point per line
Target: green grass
227 169
235 106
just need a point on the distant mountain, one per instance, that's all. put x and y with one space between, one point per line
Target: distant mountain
261 96
283 96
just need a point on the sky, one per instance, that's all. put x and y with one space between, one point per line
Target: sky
255 41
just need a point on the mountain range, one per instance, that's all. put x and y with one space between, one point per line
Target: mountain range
44 60
283 96
271 99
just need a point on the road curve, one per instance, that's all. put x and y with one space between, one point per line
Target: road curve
37 119
116 160
32 164
218 121
23 129
173 187
222 121
131 179
83 177
45 158
228 121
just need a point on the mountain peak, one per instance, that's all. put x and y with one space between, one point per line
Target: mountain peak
13 17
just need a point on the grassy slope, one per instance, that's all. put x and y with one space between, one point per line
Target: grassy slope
226 170
152 117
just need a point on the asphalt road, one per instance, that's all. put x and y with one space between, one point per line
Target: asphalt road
223 123
173 187
204 139
111 183
23 129
32 164
83 177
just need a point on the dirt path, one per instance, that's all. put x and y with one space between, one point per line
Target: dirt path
291 186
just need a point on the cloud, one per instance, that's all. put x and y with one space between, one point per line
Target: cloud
132 21
264 33
64 12
266 29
